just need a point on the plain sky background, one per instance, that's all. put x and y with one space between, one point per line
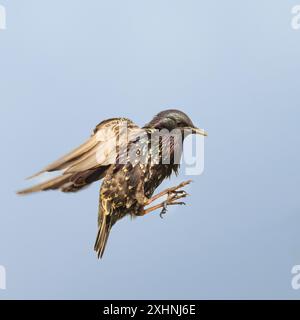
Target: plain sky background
233 66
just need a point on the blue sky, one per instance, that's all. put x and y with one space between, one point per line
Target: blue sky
232 66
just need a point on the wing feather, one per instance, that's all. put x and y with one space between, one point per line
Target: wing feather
84 162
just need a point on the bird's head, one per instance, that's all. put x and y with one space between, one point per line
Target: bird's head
174 119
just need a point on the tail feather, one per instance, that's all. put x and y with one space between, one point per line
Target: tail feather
105 225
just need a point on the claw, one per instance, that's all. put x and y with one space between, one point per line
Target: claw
179 193
162 214
164 210
173 194
174 198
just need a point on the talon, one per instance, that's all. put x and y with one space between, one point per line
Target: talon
178 203
173 194
178 197
164 210
179 192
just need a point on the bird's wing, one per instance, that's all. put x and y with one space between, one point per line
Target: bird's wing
89 161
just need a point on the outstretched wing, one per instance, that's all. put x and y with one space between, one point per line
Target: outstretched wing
88 162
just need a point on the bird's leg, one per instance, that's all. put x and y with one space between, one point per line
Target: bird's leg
164 205
169 191
173 195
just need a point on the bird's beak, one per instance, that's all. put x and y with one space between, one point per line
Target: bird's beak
199 131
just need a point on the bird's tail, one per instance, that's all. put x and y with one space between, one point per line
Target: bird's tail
105 225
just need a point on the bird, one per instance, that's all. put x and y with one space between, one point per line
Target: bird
131 161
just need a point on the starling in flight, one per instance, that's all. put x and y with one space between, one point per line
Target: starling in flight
132 162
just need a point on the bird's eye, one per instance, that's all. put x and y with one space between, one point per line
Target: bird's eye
138 152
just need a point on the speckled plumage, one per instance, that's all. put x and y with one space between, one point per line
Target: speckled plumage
131 168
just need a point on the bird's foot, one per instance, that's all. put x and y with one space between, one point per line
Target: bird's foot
173 196
170 191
